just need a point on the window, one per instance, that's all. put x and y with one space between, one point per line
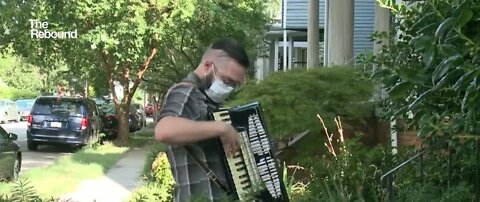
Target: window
24 104
54 107
3 135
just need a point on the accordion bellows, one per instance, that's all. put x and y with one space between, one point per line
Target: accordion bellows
254 168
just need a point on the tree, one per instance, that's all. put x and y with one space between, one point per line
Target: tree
182 50
121 39
431 65
18 74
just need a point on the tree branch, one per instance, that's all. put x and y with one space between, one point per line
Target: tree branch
141 72
111 80
126 82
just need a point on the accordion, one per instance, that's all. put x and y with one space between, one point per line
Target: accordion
253 167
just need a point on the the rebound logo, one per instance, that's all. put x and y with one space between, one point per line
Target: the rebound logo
39 30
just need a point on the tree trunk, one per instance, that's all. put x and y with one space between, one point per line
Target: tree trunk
123 126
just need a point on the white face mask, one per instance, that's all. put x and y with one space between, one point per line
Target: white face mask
218 91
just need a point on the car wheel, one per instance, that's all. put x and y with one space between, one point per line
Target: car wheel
32 146
15 170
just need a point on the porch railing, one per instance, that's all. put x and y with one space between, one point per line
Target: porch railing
387 180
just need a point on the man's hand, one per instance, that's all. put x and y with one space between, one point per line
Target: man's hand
230 140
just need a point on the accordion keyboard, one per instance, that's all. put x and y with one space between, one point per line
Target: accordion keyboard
252 166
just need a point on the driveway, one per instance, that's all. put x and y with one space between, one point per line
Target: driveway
45 154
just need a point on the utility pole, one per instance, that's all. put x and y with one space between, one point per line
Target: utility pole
313 35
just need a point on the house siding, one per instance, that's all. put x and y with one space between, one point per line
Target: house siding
364 19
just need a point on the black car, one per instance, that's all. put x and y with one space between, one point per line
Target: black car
10 156
63 120
110 120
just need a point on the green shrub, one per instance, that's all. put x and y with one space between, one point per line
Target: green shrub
159 179
353 175
14 94
291 100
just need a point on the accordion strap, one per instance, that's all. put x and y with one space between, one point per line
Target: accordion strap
213 177
207 170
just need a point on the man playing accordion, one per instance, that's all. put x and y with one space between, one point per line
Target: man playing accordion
183 121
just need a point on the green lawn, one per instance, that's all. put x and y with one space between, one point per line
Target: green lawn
64 175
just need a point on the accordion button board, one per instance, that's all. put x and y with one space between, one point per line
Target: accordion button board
253 167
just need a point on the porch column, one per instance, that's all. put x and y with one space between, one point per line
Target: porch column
275 61
297 57
313 35
340 32
382 24
290 53
271 59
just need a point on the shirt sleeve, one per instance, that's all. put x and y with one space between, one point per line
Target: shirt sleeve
179 103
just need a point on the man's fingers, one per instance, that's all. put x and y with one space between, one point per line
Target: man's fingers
227 151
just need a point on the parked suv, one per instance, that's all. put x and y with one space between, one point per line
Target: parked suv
62 120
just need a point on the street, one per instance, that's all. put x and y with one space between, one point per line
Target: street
45 154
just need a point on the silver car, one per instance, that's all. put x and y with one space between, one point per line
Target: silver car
9 111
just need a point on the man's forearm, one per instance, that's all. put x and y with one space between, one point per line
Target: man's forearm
178 131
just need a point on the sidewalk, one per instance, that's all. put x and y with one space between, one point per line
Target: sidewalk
117 185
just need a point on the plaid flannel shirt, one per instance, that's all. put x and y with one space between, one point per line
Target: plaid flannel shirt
191 181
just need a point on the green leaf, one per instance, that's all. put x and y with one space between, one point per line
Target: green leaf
429 55
421 42
420 99
407 73
446 25
464 80
400 90
448 50
381 73
443 67
466 98
464 18
425 20
449 78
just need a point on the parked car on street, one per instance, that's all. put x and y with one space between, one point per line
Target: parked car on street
9 111
24 106
10 156
63 120
109 116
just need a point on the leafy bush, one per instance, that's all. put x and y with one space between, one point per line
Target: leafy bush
290 100
354 174
430 65
23 191
158 176
12 93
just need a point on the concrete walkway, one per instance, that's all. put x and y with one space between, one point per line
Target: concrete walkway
117 185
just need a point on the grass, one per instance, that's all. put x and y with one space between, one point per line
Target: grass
142 137
91 162
65 174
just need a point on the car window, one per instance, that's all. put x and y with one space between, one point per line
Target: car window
133 109
24 104
108 109
54 107
3 135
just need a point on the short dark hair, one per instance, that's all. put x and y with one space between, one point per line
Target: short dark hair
233 49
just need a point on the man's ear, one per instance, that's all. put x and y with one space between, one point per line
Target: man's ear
208 65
